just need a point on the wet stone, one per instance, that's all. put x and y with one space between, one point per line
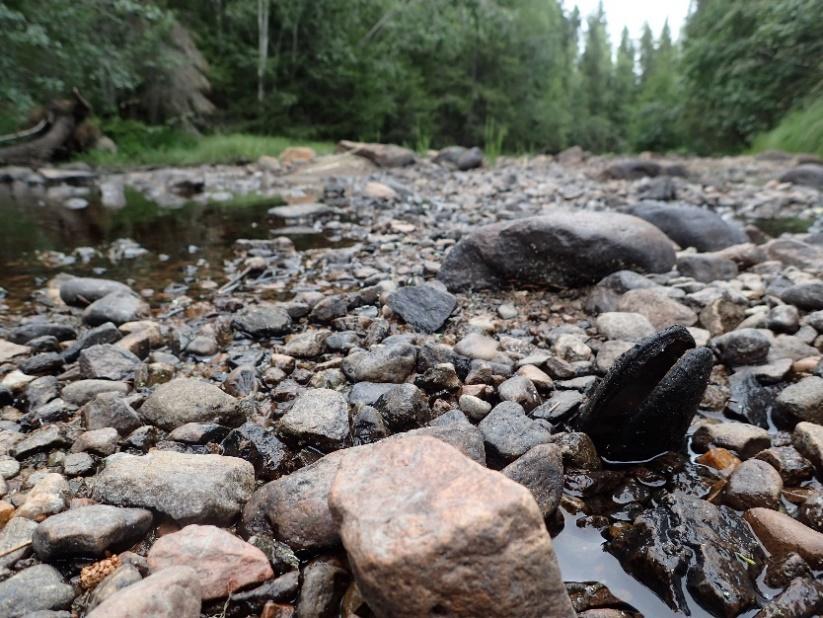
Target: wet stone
780 534
792 466
802 598
540 471
811 511
808 440
753 483
747 440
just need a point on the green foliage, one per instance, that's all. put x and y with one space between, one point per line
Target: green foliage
801 131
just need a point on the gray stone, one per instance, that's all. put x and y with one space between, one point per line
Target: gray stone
117 307
262 321
540 470
403 406
108 362
706 268
82 291
43 439
78 464
423 306
101 442
559 405
809 175
81 392
520 390
747 440
15 536
509 433
35 588
189 400
474 407
89 531
324 584
806 296
382 363
658 307
123 577
110 410
559 249
187 488
319 417
170 593
624 326
803 399
746 346
807 438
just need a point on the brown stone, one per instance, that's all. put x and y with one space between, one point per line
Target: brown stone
170 593
780 534
719 459
223 562
430 532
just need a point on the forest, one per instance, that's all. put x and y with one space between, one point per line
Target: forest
508 75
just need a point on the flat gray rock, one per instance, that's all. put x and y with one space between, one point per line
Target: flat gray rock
189 400
36 588
423 306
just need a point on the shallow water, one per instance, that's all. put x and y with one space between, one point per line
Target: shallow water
39 239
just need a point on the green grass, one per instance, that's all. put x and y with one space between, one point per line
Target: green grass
139 144
800 131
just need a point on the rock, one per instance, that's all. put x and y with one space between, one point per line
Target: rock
262 321
784 319
89 531
382 363
297 155
9 350
423 306
379 191
808 440
403 406
720 316
36 588
690 226
123 577
470 159
110 410
108 362
82 291
187 488
540 470
330 308
753 483
808 175
283 588
307 344
803 399
475 345
644 405
780 534
260 447
49 495
81 392
320 417
520 390
495 537
368 426
806 296
78 464
609 353
745 439
101 442
37 328
105 333
171 593
509 433
706 268
624 326
324 584
811 511
558 406
223 562
384 155
46 438
802 598
686 538
789 463
117 307
745 346
657 307
559 249
15 539
474 407
632 169
189 400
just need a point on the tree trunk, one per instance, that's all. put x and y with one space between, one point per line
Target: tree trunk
263 9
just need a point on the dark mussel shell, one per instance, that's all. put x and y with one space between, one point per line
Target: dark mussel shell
645 403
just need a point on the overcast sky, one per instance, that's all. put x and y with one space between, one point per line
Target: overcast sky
633 13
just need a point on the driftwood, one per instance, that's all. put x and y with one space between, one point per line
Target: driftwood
42 143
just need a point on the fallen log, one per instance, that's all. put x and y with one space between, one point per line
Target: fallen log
63 117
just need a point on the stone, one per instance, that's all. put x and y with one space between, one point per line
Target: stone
189 400
781 534
808 440
38 328
424 307
117 307
808 175
223 562
82 391
684 540
101 442
384 155
802 598
559 249
415 510
82 291
307 344
124 576
43 439
50 495
803 399
110 409
403 406
15 540
632 169
188 488
690 226
560 405
540 470
753 483
745 346
382 363
262 321
609 353
509 433
745 439
475 345
108 362
624 326
720 316
78 464
171 593
297 155
811 511
251 442
706 268
39 587
324 584
319 417
784 319
660 309
90 531
789 463
474 407
806 296
9 351
520 390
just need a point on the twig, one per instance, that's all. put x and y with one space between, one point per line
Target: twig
14 549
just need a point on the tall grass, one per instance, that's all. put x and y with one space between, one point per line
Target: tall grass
799 131
139 144
493 137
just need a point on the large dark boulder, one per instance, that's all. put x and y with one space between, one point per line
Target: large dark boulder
563 248
809 175
690 226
